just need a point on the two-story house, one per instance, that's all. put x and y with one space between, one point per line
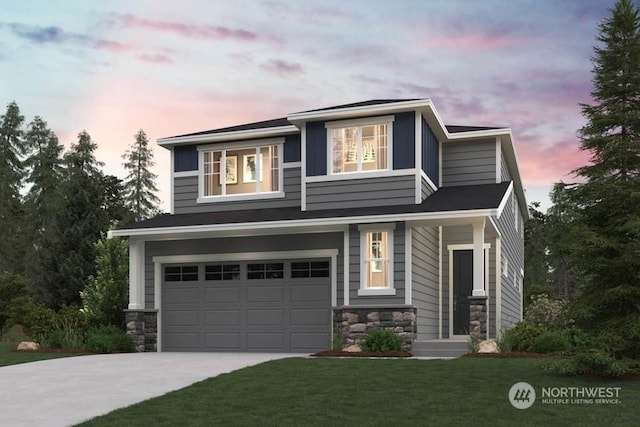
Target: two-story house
298 233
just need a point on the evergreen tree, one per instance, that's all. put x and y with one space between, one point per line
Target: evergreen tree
12 150
536 264
140 187
606 235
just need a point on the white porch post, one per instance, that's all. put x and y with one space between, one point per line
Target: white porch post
478 259
136 274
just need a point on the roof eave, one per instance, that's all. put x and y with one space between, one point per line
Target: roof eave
228 136
349 112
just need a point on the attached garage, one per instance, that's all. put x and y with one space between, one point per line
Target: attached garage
261 306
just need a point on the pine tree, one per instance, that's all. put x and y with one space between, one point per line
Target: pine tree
140 187
606 236
12 150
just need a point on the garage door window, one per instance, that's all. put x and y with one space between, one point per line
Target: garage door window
181 273
222 272
269 270
310 269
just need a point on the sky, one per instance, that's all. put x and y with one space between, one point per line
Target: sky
171 67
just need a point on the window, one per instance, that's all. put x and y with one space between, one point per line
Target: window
359 147
222 272
230 172
181 273
505 267
273 270
376 254
310 269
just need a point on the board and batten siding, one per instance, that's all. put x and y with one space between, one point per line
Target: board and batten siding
398 269
185 193
424 277
504 169
463 235
469 163
430 154
361 193
513 250
294 242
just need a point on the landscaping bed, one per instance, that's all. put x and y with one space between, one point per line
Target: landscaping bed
509 355
342 353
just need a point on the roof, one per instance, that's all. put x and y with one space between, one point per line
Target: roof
459 129
248 126
361 104
446 199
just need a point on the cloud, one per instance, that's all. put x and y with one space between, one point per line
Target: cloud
183 29
471 42
157 58
280 67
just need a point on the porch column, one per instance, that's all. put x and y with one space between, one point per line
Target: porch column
478 259
136 274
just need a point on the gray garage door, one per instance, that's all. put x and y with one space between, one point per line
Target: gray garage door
267 306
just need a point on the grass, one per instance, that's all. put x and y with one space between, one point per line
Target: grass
10 342
309 392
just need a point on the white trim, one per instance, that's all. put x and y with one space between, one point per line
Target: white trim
498 163
346 267
361 175
498 287
303 173
466 247
429 182
157 302
366 292
504 200
479 286
245 256
185 174
334 279
237 197
477 134
418 156
389 226
242 145
487 269
316 222
345 113
364 229
440 162
136 274
172 176
228 136
440 282
408 267
359 122
291 165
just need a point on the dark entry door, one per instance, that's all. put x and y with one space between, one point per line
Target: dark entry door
462 288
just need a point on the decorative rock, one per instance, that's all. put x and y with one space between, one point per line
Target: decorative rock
488 346
350 317
358 327
373 317
397 316
28 346
355 348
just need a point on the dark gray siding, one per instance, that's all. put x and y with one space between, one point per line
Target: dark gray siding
185 192
425 189
424 277
292 242
513 250
292 148
185 158
398 270
504 169
353 193
404 141
430 154
468 163
316 149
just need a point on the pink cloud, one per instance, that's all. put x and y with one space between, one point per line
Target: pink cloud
204 32
155 58
471 41
280 67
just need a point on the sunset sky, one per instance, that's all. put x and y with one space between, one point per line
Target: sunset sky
173 67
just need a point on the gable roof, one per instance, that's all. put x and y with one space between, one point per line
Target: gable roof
459 129
247 126
360 104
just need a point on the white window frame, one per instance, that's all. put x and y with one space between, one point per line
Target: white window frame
359 123
505 266
244 145
388 228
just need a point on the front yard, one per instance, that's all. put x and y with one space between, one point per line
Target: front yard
295 392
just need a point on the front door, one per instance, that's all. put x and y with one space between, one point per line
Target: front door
462 288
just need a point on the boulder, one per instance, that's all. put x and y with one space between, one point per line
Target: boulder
355 348
28 346
488 346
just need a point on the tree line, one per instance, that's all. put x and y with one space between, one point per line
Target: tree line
56 204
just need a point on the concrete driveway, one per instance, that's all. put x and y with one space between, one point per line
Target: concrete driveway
62 392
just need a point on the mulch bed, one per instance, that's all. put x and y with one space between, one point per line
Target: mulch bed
340 353
514 355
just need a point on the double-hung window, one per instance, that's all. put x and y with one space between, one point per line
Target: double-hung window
360 146
376 254
240 172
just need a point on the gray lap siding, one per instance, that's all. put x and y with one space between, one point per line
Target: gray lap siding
469 163
425 278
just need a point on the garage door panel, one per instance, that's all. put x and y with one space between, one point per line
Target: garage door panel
222 341
308 341
181 340
182 294
308 316
181 317
265 293
265 317
222 317
265 340
309 292
227 294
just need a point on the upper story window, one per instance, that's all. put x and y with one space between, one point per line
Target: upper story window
238 172
359 145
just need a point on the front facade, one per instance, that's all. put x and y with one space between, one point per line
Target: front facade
306 232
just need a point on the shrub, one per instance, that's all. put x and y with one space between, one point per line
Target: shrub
11 286
548 313
37 319
71 329
592 362
551 342
108 339
519 338
579 339
382 341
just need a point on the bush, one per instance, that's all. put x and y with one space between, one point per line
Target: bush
547 313
593 362
71 329
108 339
519 338
551 342
37 319
382 341
11 286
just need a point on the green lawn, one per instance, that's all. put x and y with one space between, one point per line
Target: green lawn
10 357
307 392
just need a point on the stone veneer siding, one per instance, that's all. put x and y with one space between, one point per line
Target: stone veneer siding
353 323
478 317
142 326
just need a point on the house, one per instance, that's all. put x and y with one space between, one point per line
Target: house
293 234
